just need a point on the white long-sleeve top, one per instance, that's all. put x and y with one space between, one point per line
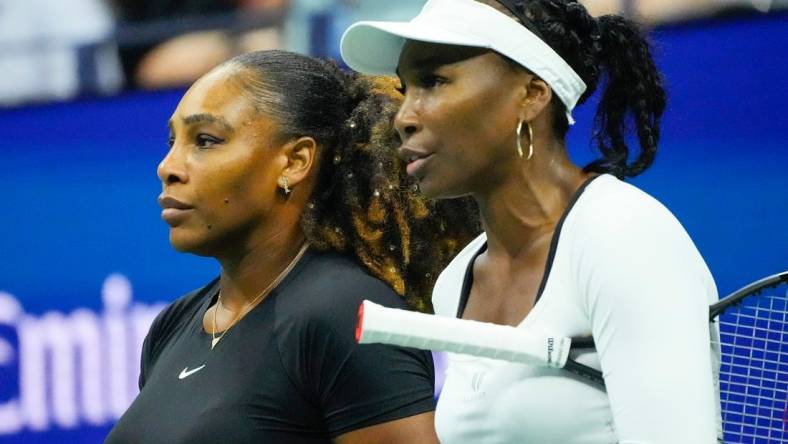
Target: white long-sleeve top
622 269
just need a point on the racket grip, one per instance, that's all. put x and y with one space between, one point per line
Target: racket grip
378 324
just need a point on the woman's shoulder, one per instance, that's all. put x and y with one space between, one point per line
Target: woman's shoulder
342 277
329 290
611 207
616 226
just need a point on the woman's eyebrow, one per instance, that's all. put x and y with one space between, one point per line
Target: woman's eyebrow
425 63
207 118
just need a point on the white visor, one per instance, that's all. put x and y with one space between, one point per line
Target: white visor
374 47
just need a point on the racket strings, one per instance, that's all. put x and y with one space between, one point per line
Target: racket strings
754 369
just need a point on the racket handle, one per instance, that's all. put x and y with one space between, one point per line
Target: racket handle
378 324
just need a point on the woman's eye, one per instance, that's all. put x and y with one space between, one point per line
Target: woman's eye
170 142
206 141
431 80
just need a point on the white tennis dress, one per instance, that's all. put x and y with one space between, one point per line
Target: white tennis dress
621 268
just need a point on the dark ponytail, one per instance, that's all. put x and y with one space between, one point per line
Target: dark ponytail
363 203
609 50
633 88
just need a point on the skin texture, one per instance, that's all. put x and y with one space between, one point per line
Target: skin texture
223 164
222 161
461 108
457 99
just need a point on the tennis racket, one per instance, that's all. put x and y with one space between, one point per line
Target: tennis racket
378 324
753 344
754 361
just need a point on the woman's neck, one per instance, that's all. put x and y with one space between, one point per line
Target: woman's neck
250 271
528 204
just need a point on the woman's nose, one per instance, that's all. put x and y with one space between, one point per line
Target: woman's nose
170 169
406 121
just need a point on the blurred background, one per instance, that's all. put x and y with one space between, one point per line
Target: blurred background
87 86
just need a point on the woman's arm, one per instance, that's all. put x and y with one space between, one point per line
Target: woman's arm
413 429
647 292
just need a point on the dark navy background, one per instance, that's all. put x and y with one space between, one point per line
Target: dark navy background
79 188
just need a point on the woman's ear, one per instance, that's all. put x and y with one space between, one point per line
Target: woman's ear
536 99
300 154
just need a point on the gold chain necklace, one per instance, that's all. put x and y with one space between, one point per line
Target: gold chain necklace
248 307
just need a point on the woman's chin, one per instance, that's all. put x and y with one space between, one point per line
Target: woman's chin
186 244
432 190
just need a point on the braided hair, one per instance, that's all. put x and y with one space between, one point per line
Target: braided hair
609 49
363 203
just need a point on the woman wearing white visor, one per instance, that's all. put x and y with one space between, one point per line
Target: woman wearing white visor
568 250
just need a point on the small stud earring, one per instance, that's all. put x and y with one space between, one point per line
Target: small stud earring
284 184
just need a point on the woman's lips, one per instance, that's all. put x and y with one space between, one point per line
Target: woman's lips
174 216
173 211
416 165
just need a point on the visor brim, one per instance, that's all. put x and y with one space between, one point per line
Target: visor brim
375 47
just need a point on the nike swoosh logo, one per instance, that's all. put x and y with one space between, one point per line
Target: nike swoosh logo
185 373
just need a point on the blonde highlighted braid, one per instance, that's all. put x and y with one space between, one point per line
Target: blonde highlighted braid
363 203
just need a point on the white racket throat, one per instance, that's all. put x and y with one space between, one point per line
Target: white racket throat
378 324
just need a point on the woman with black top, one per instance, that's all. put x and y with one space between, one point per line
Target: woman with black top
280 167
568 250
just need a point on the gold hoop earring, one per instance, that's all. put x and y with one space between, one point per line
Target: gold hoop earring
284 184
530 139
